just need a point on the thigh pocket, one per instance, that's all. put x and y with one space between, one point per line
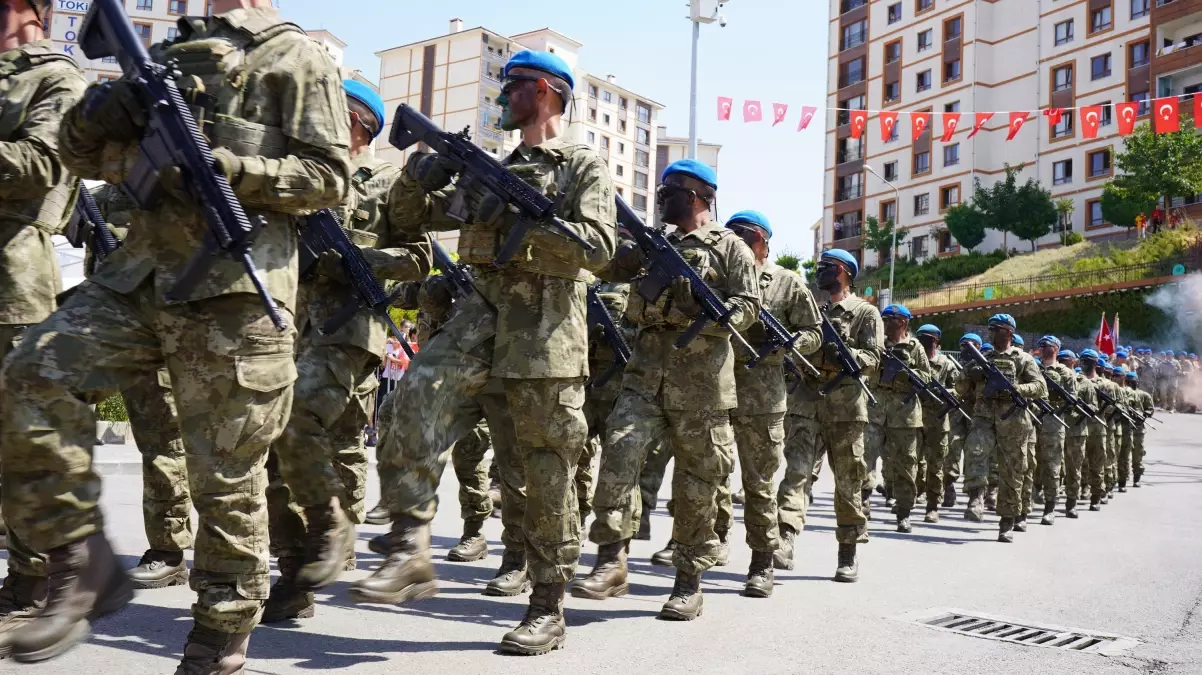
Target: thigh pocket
265 372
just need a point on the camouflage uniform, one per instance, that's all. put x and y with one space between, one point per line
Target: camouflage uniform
1096 444
1147 407
935 431
231 369
842 414
1167 373
320 455
1131 404
1005 438
895 423
599 402
1114 440
651 479
36 197
523 332
681 398
957 434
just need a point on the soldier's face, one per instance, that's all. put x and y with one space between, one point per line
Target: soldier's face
895 328
519 101
1048 353
1000 335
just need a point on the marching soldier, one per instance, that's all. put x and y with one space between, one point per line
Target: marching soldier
1075 437
935 429
1099 434
1051 436
1145 408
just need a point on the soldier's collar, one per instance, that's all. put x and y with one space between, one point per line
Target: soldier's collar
553 147
699 233
35 47
849 303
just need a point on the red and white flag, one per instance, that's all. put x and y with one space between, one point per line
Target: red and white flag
1017 120
950 120
889 123
1197 111
1053 115
1091 119
752 111
919 123
859 120
807 114
1126 113
1105 339
982 119
724 106
779 110
1168 114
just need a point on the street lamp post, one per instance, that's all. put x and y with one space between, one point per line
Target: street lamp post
700 11
896 224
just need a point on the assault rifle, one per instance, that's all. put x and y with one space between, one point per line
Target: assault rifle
665 266
779 338
1108 401
950 401
598 315
323 232
480 172
456 273
848 366
102 241
172 139
1047 410
894 366
1071 402
996 382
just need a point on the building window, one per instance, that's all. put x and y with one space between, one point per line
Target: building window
1145 104
592 90
1062 172
848 5
895 12
644 112
953 29
923 80
177 7
922 204
607 96
1064 127
921 6
843 116
642 136
949 196
851 73
642 158
591 137
605 142
854 35
891 171
146 5
592 114
1064 32
893 52
640 180
926 39
605 119
622 126
640 202
1139 9
922 163
888 212
946 243
1107 114
892 92
621 148
847 225
1138 54
143 31
1099 20
1099 163
1099 66
622 103
953 107
951 154
849 187
620 170
172 33
850 149
1062 78
918 247
109 59
1093 214
893 135
621 192
951 71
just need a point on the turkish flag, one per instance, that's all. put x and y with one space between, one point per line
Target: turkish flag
1053 115
807 114
724 106
982 119
1017 120
1167 116
919 123
889 122
1197 110
859 120
1105 339
752 111
779 110
950 120
1091 117
1126 112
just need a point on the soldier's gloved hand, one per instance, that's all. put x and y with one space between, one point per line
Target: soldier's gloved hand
682 298
224 162
329 265
431 170
488 209
976 373
830 352
117 109
630 257
436 294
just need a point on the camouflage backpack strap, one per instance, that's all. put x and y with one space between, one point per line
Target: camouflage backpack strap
260 26
40 59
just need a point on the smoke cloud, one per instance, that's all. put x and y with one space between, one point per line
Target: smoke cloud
1182 302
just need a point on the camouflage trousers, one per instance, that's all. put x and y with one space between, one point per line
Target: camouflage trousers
596 413
232 374
952 464
898 450
1074 464
166 504
1137 453
803 453
1050 447
321 454
1124 454
651 478
538 432
1028 489
934 455
1095 459
700 442
1113 442
21 558
760 441
844 443
875 449
1007 440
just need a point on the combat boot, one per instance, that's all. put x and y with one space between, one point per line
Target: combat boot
782 557
1005 530
723 555
1122 486
1020 524
1104 498
1138 475
84 582
406 573
932 515
378 544
1037 495
664 558
160 569
379 515
1095 503
949 493
209 652
472 545
20 596
352 561
286 601
542 629
1049 514
760 577
976 509
644 533
1070 509
848 571
608 578
890 502
685 603
738 497
328 532
511 578
903 524
991 499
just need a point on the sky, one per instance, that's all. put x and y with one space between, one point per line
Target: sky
773 51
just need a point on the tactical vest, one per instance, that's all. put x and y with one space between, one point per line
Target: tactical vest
653 316
360 214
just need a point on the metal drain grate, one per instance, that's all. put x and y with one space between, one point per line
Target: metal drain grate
989 627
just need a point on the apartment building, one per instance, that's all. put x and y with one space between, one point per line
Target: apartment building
155 20
672 148
966 56
618 123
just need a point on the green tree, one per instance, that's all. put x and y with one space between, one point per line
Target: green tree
879 238
1064 213
999 202
967 224
1121 206
810 266
1035 213
788 260
1156 165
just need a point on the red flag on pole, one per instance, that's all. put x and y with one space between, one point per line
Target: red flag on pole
982 119
1167 114
1126 112
889 122
859 120
1105 339
807 114
919 123
1017 119
779 110
724 106
752 112
950 120
1091 117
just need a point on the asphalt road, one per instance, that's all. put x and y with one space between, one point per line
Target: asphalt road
1132 570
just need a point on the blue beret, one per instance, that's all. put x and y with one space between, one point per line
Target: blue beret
1132 375
1193 355
844 257
1169 352
930 329
1002 320
752 218
970 337
691 167
1120 354
1038 361
1089 354
1067 354
545 61
368 97
1077 369
897 310
1018 340
988 346
1119 370
1050 339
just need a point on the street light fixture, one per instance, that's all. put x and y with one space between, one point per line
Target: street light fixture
896 223
700 11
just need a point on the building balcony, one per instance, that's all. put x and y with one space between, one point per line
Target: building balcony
1164 11
1181 81
850 155
849 193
